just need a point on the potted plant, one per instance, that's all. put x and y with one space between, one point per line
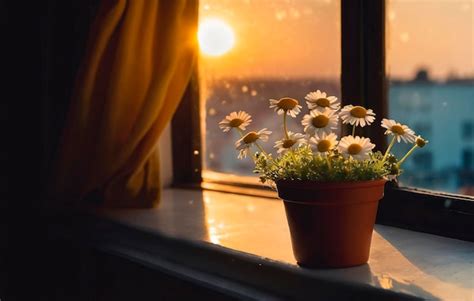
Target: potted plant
330 186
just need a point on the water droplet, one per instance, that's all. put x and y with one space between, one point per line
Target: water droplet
465 7
212 112
196 152
392 16
308 11
253 93
245 89
404 37
295 13
250 208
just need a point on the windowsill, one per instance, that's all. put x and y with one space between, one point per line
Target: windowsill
246 239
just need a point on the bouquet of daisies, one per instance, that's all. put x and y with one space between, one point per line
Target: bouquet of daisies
317 154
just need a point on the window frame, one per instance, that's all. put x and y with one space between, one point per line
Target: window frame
363 58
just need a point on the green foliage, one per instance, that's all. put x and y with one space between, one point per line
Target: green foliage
302 164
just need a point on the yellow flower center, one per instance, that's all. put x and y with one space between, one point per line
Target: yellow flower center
287 143
235 122
358 112
354 149
320 121
397 129
250 137
323 102
324 146
287 103
420 142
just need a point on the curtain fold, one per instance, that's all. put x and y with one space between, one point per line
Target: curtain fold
138 62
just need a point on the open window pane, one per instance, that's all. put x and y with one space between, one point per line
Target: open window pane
262 49
430 60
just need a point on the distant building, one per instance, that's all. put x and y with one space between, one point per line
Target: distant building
442 114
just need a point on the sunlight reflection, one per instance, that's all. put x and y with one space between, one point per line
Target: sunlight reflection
411 264
385 281
241 223
213 235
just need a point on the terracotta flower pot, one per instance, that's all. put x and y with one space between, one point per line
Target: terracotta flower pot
331 223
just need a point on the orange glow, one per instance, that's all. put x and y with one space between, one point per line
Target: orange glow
437 35
302 38
276 38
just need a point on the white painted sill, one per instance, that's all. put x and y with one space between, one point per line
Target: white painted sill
246 239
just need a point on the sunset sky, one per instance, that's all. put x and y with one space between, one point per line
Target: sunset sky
301 38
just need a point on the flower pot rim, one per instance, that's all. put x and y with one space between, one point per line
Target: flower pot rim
329 193
329 184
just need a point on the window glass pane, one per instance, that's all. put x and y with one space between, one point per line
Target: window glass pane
430 62
257 50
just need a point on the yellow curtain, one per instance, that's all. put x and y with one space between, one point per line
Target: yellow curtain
138 62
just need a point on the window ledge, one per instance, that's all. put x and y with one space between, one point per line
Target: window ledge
246 240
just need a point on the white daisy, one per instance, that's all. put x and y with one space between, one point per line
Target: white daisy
319 100
238 120
294 139
324 143
320 122
400 131
286 104
244 143
420 142
357 115
357 147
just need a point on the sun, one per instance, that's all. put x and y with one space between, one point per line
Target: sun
215 37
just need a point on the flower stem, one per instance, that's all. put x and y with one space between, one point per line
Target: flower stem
389 148
407 155
240 132
329 161
260 148
284 126
353 129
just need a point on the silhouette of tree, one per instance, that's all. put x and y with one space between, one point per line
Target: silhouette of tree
422 75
